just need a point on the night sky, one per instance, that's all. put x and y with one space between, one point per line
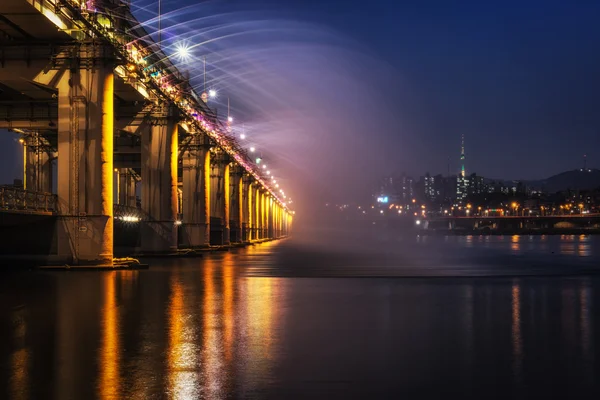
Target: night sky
338 93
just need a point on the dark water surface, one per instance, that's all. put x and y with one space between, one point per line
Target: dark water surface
291 320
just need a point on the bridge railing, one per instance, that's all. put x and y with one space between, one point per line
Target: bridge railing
17 199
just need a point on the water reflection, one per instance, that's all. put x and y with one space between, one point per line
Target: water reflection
585 297
110 348
212 337
207 328
20 359
517 341
515 245
182 352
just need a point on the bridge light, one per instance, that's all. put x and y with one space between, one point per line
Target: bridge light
21 140
177 222
252 149
183 52
229 119
264 166
243 136
212 93
268 172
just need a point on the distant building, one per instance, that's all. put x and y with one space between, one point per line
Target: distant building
407 192
429 186
476 185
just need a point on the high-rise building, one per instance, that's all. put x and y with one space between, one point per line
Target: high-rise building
462 182
476 184
429 186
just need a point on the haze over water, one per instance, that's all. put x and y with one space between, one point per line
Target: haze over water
289 319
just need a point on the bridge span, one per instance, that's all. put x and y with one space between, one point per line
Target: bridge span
102 108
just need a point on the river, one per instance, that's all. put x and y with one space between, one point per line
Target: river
410 317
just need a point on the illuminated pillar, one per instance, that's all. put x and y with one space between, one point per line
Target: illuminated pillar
277 220
127 196
263 214
38 165
246 208
255 194
196 193
235 204
279 213
85 163
219 199
270 218
259 212
159 184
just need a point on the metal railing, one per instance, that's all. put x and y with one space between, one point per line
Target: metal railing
17 199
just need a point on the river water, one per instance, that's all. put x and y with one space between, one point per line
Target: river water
408 317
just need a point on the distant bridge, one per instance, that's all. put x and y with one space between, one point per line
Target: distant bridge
86 86
509 224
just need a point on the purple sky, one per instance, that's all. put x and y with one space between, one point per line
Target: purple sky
337 93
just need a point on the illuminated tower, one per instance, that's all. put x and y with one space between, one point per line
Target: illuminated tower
462 156
461 180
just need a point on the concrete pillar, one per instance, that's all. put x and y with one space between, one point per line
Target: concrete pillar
196 194
85 157
279 220
246 208
263 215
38 166
270 218
219 199
126 187
235 204
254 194
159 183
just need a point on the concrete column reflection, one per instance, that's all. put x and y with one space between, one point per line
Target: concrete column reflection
183 380
109 383
587 322
20 359
517 340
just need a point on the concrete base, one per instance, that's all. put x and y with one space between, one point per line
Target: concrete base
101 267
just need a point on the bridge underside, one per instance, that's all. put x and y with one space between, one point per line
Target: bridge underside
92 117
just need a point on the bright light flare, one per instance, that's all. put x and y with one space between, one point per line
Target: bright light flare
230 119
212 93
129 218
183 53
252 149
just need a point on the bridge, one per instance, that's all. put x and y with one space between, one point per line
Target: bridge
568 224
103 110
